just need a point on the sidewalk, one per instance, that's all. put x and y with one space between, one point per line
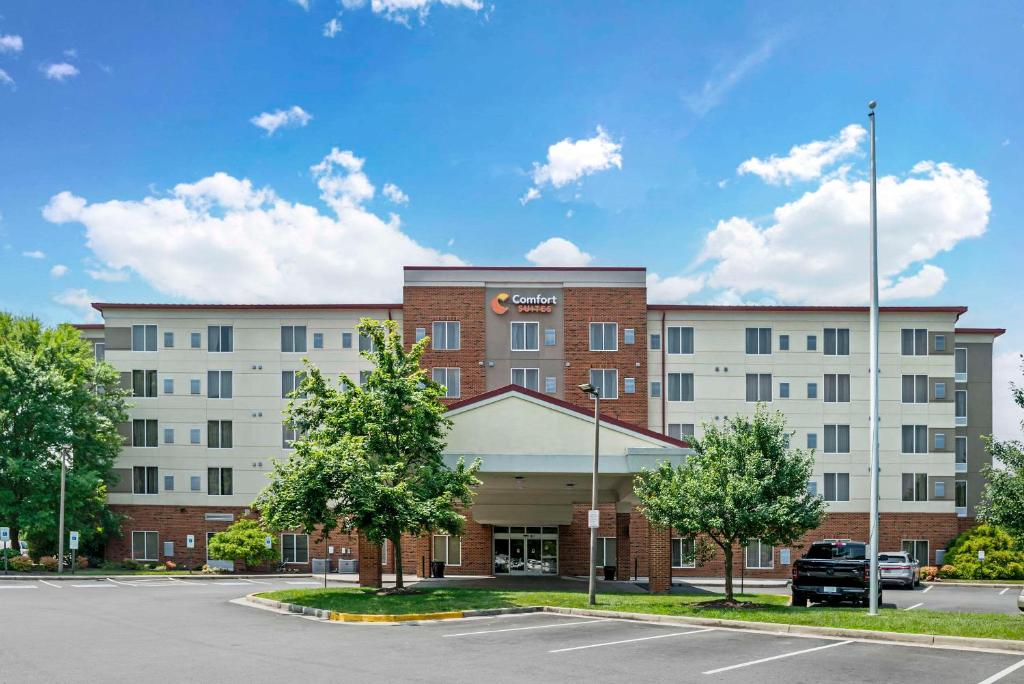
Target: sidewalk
54 577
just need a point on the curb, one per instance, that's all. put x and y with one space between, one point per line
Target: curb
993 585
196 576
335 616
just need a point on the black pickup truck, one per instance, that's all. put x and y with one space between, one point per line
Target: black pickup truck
832 572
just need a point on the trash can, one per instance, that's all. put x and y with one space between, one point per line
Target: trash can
437 569
609 572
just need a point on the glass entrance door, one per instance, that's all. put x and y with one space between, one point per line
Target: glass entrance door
516 558
525 550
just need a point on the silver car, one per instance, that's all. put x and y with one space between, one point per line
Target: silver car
897 567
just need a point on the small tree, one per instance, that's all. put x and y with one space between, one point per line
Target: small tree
743 483
370 457
1002 502
244 540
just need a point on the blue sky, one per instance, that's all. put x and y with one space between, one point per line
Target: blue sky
717 144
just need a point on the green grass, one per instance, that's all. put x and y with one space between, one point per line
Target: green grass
768 608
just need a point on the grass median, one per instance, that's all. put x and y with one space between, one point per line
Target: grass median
765 608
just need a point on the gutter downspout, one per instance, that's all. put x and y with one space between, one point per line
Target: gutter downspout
664 426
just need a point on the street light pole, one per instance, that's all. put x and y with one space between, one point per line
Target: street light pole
873 370
594 392
60 532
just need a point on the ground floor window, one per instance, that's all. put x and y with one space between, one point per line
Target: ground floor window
525 550
447 549
144 545
682 553
760 556
917 549
295 548
384 553
606 551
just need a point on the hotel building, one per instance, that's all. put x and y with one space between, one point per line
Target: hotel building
512 345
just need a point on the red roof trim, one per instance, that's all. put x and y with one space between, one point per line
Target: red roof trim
995 332
525 268
100 306
958 310
561 403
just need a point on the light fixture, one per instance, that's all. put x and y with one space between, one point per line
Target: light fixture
588 388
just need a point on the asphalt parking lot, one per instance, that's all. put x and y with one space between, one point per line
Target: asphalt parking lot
189 630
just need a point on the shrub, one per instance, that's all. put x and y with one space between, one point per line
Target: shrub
10 553
49 563
82 561
1003 560
928 573
170 565
947 571
20 563
207 570
243 541
130 564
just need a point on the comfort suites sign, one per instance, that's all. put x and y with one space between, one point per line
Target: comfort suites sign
503 301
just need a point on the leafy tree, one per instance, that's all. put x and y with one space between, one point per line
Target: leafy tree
370 457
54 399
1003 560
1002 502
743 483
244 540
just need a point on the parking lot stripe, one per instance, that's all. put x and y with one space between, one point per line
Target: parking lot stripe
517 629
51 584
1004 591
928 588
19 586
916 605
302 582
90 585
629 641
778 657
111 579
1002 673
252 581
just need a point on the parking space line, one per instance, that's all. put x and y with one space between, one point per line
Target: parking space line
916 605
629 641
51 584
928 588
114 581
302 582
1004 591
90 585
252 581
1002 673
778 657
19 586
517 629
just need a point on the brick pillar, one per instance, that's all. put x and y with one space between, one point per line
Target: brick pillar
369 564
659 559
622 547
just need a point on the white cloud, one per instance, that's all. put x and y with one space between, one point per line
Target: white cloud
332 28
304 4
816 250
808 161
673 289
1006 143
400 10
11 43
71 53
5 79
725 77
222 239
34 254
723 183
570 160
108 276
294 117
58 270
558 251
60 71
1006 415
394 193
569 214
80 301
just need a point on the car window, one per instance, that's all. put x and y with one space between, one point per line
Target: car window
844 551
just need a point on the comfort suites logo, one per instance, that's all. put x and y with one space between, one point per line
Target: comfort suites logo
523 304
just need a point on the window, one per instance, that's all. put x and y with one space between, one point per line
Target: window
549 337
364 377
837 387
290 381
812 440
960 407
960 444
143 338
99 351
960 493
837 342
524 336
168 483
917 549
447 549
607 381
940 343
680 387
960 364
605 552
940 441
195 482
812 390
218 434
143 383
168 385
220 338
629 336
604 336
784 390
168 340
783 342
759 386
293 338
294 548
679 340
451 379
812 487
759 340
193 386
837 439
218 481
366 343
288 436
837 486
683 553
195 340
680 430
446 335
193 436
144 433
940 489
940 390
550 384
915 389
144 479
318 340
915 439
915 486
914 341
655 341
655 388
812 342
629 385
760 556
144 545
526 377
346 340
168 435
218 384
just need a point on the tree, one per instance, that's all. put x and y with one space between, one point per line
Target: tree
743 483
244 540
1002 502
369 458
55 399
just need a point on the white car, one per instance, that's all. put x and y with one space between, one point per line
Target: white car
896 567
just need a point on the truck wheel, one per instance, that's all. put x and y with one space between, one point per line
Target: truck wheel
799 600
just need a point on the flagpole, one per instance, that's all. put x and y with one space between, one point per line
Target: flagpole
874 372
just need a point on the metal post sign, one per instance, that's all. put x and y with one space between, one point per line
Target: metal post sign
73 536
5 533
981 554
190 541
593 518
268 542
